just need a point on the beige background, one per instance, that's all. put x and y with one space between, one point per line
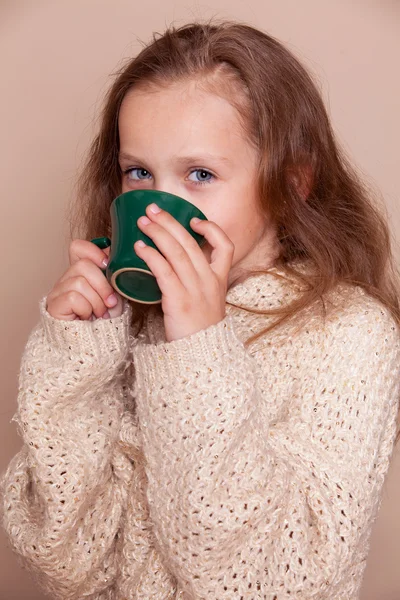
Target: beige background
55 58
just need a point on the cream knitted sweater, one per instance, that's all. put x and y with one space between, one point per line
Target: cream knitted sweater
198 469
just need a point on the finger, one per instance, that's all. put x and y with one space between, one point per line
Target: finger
77 293
118 309
167 279
223 247
79 249
176 262
70 306
168 223
96 279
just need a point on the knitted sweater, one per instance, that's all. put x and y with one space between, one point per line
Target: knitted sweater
201 469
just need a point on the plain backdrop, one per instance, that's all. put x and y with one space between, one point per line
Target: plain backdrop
56 57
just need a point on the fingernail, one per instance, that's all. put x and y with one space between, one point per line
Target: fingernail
105 262
106 315
196 220
154 208
112 300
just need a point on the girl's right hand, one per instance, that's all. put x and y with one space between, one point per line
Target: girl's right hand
83 292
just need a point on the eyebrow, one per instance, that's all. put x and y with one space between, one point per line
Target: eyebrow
183 160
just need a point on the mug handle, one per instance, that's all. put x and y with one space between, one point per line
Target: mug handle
102 242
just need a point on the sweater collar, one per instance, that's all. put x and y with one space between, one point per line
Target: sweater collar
261 291
265 291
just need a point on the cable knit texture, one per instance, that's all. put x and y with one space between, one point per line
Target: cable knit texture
200 469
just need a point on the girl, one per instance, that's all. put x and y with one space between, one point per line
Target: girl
231 442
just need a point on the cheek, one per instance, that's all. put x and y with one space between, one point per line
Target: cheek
237 232
240 229
229 224
240 223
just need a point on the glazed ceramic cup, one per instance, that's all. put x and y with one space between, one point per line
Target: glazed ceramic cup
128 274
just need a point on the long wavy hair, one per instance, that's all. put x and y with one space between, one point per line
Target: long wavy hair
341 229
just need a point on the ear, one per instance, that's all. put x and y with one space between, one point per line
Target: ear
302 177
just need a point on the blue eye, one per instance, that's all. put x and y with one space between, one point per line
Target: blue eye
128 172
202 173
143 174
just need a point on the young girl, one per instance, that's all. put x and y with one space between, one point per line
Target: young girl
231 442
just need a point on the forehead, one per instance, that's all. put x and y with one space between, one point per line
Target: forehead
181 116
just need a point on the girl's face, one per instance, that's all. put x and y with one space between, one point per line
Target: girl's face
189 143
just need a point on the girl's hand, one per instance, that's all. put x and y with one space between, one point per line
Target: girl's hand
193 291
83 292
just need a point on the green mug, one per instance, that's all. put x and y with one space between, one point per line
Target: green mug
128 274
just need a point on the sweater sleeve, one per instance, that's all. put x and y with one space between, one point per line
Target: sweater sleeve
245 506
65 490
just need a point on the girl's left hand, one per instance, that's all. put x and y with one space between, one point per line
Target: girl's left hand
193 291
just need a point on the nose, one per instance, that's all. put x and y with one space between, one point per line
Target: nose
171 187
